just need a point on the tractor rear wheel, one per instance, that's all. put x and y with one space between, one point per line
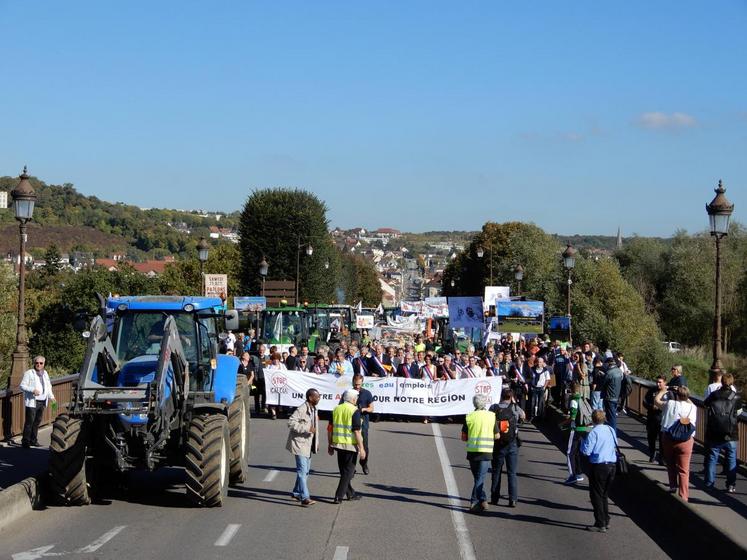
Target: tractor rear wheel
238 422
208 456
67 462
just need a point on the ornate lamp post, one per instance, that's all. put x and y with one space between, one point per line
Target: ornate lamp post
519 275
480 252
202 254
719 213
309 252
263 266
24 198
569 261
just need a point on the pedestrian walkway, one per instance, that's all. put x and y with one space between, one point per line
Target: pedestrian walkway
725 512
17 463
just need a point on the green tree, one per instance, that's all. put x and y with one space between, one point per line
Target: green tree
52 261
644 263
358 281
273 223
8 319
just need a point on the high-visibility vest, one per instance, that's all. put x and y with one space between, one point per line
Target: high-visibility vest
342 424
480 431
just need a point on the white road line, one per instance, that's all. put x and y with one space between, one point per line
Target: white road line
101 541
341 553
466 548
270 476
228 534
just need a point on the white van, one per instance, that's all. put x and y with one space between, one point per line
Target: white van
672 347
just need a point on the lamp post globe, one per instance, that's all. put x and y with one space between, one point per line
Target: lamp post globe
719 213
24 199
480 252
309 250
569 257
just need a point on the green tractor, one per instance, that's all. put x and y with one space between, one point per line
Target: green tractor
331 324
284 327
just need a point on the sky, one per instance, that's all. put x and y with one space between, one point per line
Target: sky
577 116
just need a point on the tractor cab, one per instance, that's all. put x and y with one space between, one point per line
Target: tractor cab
284 327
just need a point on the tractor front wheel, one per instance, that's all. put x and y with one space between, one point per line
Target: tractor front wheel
208 456
67 462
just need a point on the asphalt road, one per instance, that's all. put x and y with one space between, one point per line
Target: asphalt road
407 510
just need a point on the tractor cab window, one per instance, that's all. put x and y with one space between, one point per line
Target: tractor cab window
141 333
208 336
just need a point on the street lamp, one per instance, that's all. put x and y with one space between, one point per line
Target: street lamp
24 198
519 275
263 266
480 253
326 264
569 261
202 254
309 252
719 213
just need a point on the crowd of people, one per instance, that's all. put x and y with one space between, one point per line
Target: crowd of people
589 385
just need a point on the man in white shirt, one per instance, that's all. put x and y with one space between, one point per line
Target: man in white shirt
37 392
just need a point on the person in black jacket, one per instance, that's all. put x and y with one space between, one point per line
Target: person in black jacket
653 417
722 432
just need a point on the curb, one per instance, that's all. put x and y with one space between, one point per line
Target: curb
20 499
676 516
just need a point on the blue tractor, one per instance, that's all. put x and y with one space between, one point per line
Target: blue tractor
154 391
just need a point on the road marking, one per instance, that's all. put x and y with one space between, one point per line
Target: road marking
270 476
36 553
101 541
341 553
44 551
466 548
228 534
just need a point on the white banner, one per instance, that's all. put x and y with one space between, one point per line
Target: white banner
364 321
392 395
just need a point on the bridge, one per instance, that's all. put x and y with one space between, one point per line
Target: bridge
414 506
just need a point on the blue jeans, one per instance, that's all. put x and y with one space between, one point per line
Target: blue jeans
711 459
596 400
610 410
509 455
303 465
479 472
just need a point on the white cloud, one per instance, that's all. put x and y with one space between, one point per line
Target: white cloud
657 120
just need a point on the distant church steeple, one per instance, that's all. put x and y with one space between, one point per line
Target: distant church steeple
619 244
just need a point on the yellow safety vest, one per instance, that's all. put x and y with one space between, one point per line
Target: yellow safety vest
342 424
480 431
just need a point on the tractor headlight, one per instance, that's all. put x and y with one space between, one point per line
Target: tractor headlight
189 308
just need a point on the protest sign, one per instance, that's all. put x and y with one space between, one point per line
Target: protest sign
251 303
216 285
364 321
436 307
493 293
392 395
520 316
465 312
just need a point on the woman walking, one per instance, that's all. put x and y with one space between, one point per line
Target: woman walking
678 434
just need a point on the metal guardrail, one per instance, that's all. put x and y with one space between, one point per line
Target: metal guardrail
12 410
635 403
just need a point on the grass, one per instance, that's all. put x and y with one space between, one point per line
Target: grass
696 362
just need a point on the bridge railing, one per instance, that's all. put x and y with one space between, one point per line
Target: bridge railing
635 404
12 409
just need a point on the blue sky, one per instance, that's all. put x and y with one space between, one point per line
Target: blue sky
418 115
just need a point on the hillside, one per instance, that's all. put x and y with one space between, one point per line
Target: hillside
73 220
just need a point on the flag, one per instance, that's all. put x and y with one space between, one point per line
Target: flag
359 307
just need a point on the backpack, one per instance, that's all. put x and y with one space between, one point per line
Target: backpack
506 421
583 416
627 386
721 420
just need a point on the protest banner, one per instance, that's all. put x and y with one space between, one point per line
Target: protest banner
466 313
436 307
392 395
520 316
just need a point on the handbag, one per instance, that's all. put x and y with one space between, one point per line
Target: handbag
682 429
621 463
